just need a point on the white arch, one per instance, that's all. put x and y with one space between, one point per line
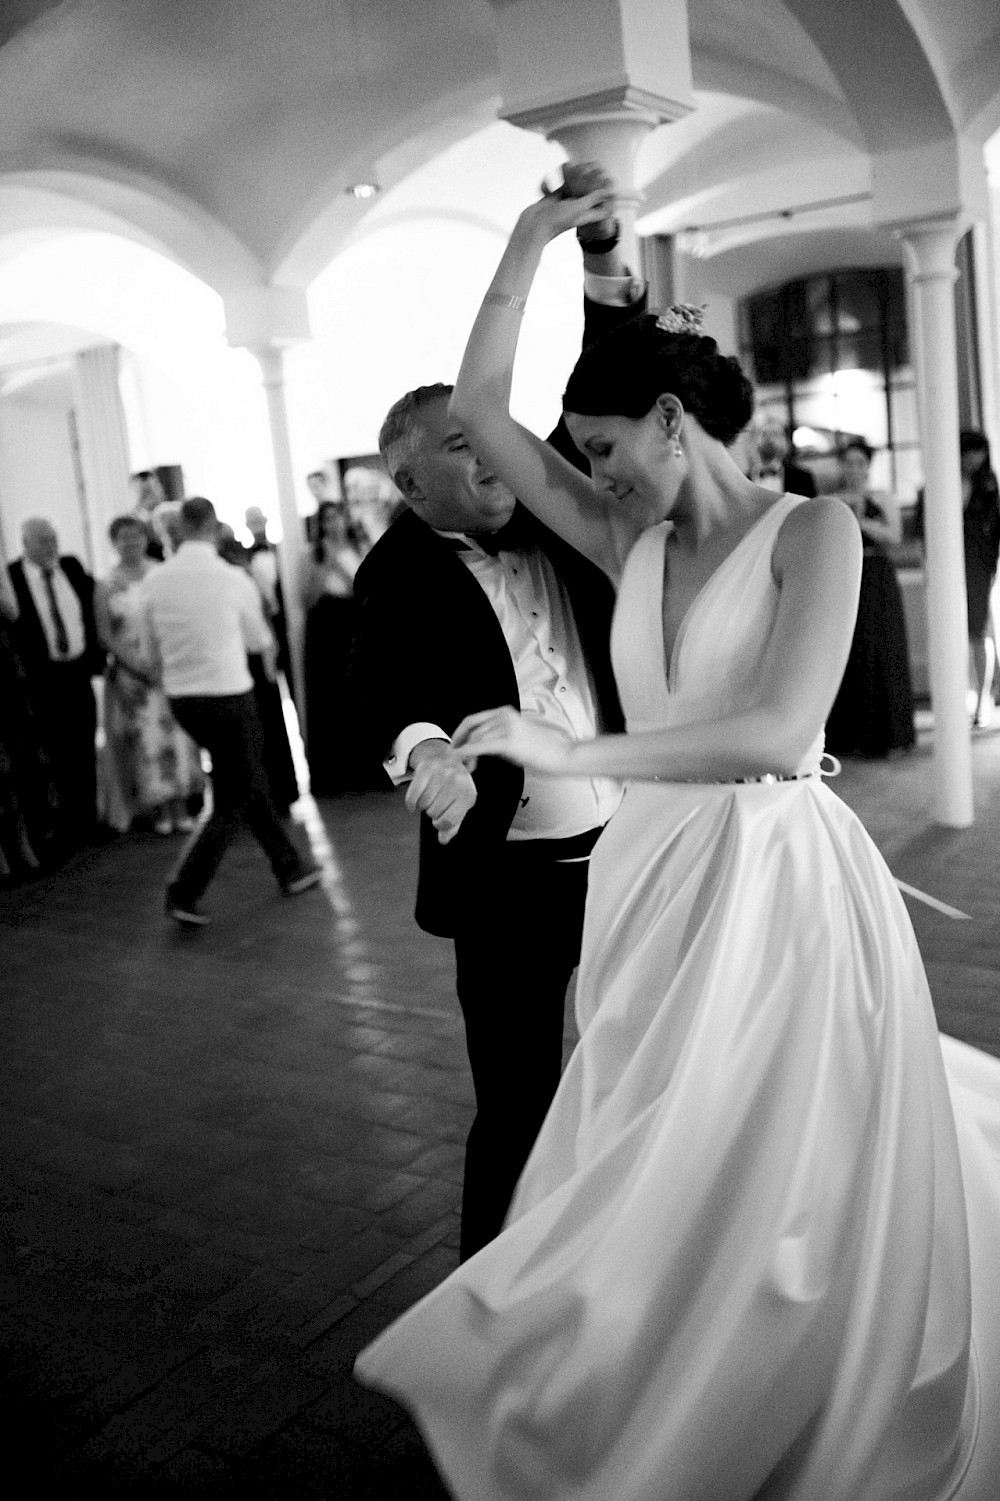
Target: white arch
76 192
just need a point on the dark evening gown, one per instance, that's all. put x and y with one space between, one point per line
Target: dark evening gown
873 711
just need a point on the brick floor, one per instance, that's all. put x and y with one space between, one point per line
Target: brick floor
229 1158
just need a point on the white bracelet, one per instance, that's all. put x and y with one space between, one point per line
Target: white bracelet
503 299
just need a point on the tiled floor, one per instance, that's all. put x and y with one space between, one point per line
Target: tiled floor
231 1157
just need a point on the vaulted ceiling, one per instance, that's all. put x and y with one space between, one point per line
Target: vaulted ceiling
225 133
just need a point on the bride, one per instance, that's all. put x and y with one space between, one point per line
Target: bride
737 1265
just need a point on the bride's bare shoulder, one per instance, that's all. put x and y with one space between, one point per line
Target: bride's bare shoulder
820 528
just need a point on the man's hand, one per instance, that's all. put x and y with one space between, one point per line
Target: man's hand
442 787
580 178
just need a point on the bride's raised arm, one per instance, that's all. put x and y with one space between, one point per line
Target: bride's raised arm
562 497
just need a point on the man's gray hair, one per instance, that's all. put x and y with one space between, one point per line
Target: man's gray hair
402 429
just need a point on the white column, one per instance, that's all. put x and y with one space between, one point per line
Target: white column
266 320
103 440
597 76
612 138
272 363
930 250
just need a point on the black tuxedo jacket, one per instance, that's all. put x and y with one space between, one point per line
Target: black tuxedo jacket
428 646
31 639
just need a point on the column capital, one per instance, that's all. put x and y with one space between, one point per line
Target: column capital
271 358
266 317
563 63
930 245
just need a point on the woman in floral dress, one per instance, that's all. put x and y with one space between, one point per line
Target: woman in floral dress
149 767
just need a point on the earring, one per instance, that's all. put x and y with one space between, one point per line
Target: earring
677 451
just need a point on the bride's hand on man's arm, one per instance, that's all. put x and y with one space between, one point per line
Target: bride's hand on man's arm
504 732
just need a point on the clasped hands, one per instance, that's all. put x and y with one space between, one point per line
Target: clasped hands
585 197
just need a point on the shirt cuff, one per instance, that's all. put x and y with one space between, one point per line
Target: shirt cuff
613 291
397 764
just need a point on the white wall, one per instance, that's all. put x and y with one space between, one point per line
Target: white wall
37 476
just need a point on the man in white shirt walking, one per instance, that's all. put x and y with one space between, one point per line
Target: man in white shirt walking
204 618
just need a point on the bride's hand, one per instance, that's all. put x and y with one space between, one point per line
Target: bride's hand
554 214
504 732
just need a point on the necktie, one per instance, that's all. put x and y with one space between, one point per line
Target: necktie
62 639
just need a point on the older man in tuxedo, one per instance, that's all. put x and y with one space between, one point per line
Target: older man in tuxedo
58 642
467 602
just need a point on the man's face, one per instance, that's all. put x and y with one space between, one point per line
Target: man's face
445 483
41 544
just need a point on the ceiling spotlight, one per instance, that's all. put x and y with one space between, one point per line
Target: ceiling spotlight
362 189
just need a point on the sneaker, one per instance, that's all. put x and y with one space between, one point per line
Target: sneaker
187 917
305 882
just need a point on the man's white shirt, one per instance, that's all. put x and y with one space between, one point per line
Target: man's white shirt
205 617
554 687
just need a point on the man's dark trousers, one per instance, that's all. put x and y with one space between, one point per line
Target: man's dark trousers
67 722
514 960
229 729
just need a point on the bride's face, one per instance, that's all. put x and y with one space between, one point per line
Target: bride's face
633 458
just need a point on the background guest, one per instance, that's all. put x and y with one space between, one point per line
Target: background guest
204 616
27 792
263 558
150 497
771 467
149 767
276 750
327 587
873 712
981 538
58 646
981 533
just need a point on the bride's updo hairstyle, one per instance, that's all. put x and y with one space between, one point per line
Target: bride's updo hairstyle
623 374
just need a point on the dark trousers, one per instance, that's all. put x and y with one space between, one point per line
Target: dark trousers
66 710
229 730
513 967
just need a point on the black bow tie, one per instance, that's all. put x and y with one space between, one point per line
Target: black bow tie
514 536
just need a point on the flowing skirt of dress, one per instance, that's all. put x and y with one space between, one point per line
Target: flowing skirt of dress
737 1264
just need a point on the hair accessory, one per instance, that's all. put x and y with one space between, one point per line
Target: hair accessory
507 300
682 318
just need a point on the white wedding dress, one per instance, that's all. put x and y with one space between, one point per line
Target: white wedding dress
737 1265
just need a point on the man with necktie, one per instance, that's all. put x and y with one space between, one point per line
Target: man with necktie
58 643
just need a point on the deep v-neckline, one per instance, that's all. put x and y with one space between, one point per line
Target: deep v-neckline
670 661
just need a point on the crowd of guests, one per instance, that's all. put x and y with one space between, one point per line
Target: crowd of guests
63 786
59 629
